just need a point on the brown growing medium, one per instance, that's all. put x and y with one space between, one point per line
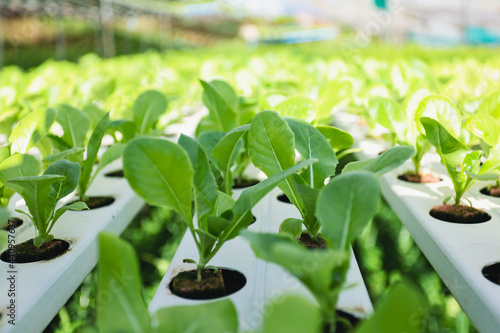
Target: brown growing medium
213 284
306 240
420 178
492 191
27 252
459 214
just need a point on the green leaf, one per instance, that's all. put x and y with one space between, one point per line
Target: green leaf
484 127
31 129
310 143
205 186
403 310
291 227
483 176
346 205
300 107
308 197
148 107
337 138
271 146
451 150
389 114
94 113
111 154
120 306
71 173
19 165
241 210
80 205
211 317
75 124
161 173
293 314
385 162
220 111
225 152
227 93
491 106
92 150
35 191
442 110
209 140
63 154
493 161
4 153
38 241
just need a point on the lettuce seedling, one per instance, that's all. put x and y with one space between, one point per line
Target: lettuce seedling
171 175
343 208
42 193
272 141
462 166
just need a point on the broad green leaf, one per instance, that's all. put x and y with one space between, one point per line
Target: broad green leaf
205 186
92 150
63 154
58 142
71 173
271 146
224 203
291 227
94 113
388 114
331 96
161 173
493 161
300 107
210 317
293 314
315 269
4 153
80 205
35 192
337 138
120 306
491 106
225 152
484 127
19 165
227 93
411 103
308 197
221 112
442 110
451 150
209 140
385 162
346 205
241 210
148 107
483 176
310 143
75 124
404 309
31 129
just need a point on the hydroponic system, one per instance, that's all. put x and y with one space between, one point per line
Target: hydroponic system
302 167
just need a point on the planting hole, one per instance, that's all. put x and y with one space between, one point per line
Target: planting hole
115 174
284 198
14 222
97 202
420 178
492 272
213 285
492 191
459 214
244 183
26 252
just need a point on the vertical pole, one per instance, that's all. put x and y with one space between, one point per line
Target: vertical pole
108 37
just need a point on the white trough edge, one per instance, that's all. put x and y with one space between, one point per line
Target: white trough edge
264 280
458 252
42 288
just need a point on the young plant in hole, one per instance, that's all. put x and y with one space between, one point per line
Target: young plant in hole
42 193
442 124
343 208
223 132
272 141
76 124
400 121
171 175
